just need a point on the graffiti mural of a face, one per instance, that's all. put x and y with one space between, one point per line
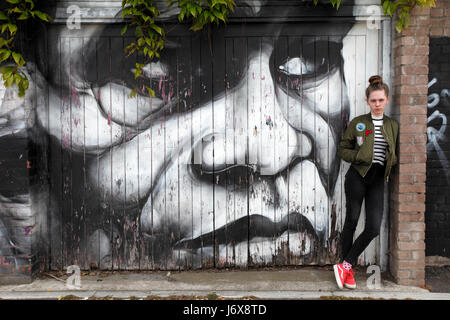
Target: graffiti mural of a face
232 162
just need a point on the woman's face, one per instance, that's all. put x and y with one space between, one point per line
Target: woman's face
377 102
236 151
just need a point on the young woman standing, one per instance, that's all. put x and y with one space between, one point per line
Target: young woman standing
369 144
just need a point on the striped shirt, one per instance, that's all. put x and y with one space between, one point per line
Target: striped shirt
379 146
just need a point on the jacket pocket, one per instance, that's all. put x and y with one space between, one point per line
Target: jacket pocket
362 156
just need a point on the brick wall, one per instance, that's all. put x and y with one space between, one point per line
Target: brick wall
407 200
440 22
409 184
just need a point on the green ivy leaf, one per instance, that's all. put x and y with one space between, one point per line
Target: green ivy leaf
137 72
150 91
17 78
4 42
4 26
7 71
18 59
4 54
141 42
24 15
31 4
9 80
3 16
138 32
156 28
41 15
181 15
12 28
124 30
385 6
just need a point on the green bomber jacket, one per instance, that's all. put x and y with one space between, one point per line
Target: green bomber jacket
356 145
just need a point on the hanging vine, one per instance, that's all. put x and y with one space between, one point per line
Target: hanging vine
12 18
400 9
150 37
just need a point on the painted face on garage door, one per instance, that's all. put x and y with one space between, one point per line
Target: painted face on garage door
233 159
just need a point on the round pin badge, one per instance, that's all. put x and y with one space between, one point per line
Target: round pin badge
360 126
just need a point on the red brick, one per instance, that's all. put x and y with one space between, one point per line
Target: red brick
437 22
422 80
404 255
405 79
412 168
418 255
410 245
405 197
421 59
447 31
406 138
404 236
415 69
413 119
414 50
421 120
407 41
412 148
421 100
412 109
436 31
410 217
406 178
411 188
415 31
418 197
411 282
407 119
420 178
413 89
402 99
423 40
402 274
418 273
420 138
411 207
412 128
417 11
418 235
406 158
421 21
437 12
411 264
411 227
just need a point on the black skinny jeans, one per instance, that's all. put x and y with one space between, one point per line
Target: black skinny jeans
371 187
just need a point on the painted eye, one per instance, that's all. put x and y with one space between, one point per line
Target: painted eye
296 66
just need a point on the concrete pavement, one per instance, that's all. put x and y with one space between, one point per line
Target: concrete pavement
301 283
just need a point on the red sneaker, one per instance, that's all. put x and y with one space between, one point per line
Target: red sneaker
340 274
349 281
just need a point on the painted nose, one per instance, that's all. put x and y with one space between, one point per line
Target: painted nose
273 143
